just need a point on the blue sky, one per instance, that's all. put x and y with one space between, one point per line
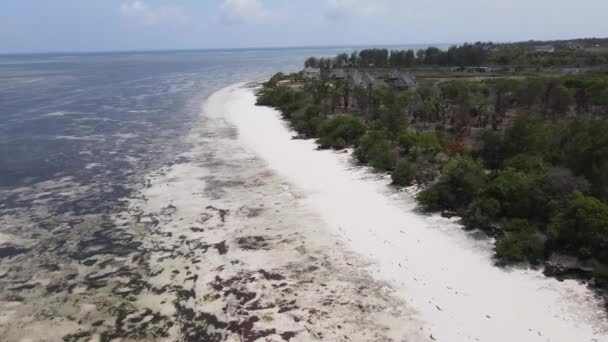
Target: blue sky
109 25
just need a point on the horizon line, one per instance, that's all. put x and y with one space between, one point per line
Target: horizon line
322 46
219 49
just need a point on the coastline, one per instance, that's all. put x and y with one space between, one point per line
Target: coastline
210 245
239 257
439 285
248 235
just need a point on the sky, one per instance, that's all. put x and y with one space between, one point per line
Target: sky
127 25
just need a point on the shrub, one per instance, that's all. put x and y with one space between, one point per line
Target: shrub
524 245
561 182
404 173
459 184
344 127
558 98
518 225
491 149
407 140
428 141
381 156
526 163
581 228
426 171
584 149
600 273
482 213
377 150
307 121
340 144
286 99
520 194
527 134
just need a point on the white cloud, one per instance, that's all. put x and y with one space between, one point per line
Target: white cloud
147 15
360 8
245 11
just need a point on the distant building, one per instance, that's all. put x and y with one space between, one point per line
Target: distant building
310 73
362 79
393 75
570 71
400 80
545 48
404 82
338 75
478 69
573 46
353 77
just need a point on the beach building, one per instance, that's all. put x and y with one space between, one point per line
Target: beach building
362 79
401 81
338 75
393 75
404 82
310 73
545 48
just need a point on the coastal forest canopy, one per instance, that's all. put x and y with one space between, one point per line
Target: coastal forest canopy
584 52
510 137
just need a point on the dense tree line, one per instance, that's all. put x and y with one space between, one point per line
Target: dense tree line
477 54
535 176
464 55
524 56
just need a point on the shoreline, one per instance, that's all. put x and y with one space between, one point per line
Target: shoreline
439 233
238 238
241 258
209 246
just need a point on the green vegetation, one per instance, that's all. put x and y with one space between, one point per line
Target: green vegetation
523 244
581 227
518 55
375 149
404 173
459 184
600 273
523 157
340 131
210 297
267 317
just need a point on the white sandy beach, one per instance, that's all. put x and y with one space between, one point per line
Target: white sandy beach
442 272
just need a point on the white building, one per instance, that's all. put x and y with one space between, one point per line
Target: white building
545 48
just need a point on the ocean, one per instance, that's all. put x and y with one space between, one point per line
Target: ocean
62 113
146 198
78 133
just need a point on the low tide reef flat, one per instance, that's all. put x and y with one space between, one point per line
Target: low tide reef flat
252 257
212 246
